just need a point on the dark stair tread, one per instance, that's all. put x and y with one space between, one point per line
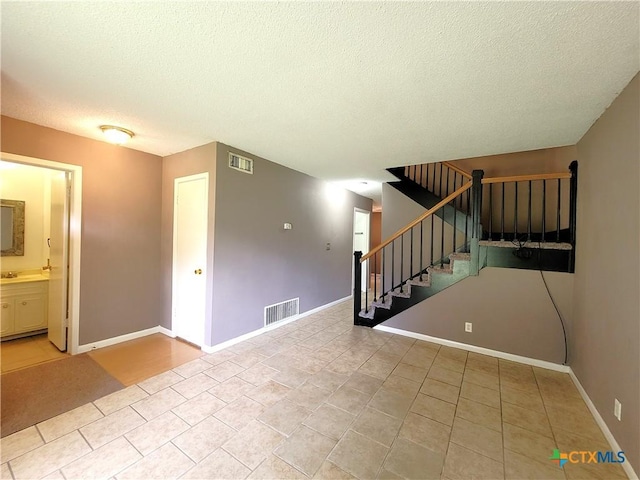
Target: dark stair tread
414 291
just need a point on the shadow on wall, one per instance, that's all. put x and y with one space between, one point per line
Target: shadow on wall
510 310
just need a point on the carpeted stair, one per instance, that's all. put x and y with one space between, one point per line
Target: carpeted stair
434 280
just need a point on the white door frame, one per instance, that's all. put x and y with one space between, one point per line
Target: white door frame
365 271
75 223
187 178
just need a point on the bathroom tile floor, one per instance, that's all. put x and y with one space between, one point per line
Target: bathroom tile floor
26 352
320 398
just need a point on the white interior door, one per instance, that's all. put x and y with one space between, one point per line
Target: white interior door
59 258
361 220
190 257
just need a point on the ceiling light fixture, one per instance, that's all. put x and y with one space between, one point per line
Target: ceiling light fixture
116 135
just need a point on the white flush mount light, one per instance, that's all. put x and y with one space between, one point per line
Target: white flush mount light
117 135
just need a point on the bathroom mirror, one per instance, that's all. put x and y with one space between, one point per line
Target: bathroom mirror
11 228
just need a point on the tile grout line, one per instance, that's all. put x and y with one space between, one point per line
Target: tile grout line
10 470
444 460
352 344
546 413
132 446
44 442
504 449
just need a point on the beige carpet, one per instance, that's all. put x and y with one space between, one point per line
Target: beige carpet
37 393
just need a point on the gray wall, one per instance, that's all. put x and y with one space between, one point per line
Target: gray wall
606 353
546 160
375 237
398 210
196 160
257 263
120 272
510 310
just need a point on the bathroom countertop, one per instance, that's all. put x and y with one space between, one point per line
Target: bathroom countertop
34 277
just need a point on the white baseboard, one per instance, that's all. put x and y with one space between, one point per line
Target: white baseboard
528 361
246 336
473 348
628 469
207 349
233 341
167 332
123 338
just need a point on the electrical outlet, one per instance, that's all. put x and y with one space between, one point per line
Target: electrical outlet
617 409
468 327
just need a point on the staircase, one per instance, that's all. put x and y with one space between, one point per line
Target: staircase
433 280
471 222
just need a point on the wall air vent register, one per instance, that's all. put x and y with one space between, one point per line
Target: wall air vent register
281 311
242 164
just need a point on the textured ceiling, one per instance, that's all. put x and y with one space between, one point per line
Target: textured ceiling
337 90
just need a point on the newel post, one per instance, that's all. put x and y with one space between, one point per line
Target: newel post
357 286
573 210
476 216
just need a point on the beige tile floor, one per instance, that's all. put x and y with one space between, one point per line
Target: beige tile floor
320 398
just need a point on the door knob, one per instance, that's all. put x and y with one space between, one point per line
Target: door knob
198 271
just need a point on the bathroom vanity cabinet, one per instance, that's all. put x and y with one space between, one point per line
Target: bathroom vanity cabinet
23 307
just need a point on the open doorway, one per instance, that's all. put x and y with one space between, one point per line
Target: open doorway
40 291
361 234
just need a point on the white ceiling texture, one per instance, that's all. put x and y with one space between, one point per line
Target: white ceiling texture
338 90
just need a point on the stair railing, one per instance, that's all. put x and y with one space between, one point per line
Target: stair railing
527 205
530 208
399 265
485 205
438 178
